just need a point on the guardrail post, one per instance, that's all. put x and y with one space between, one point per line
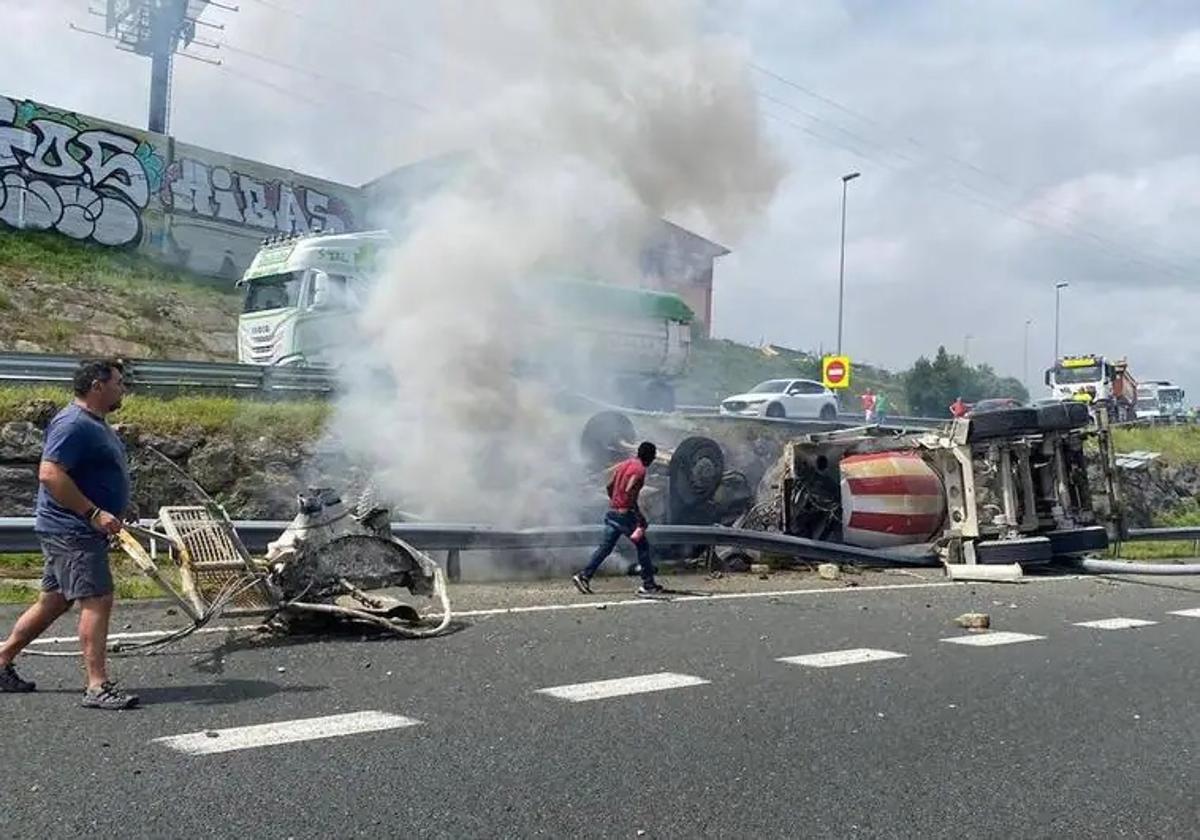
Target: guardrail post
454 565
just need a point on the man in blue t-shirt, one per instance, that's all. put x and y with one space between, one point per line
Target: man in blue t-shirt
83 493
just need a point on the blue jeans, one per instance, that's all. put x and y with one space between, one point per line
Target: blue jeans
617 525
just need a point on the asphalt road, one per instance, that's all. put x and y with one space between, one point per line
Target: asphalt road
1083 732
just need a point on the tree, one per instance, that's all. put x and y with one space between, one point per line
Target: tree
930 387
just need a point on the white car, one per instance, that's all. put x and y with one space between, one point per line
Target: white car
784 398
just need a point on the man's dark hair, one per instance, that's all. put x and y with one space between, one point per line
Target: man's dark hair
91 371
647 452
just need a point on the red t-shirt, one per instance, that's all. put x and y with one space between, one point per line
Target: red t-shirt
624 493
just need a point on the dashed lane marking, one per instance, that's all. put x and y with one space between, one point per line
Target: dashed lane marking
1186 613
1115 623
284 732
588 604
992 639
837 658
603 689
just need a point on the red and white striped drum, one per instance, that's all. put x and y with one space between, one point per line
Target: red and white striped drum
889 499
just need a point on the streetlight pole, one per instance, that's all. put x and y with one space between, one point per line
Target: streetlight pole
846 179
1025 357
1058 287
967 347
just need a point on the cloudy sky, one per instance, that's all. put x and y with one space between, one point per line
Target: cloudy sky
1004 145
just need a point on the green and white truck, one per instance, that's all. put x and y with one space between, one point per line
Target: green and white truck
303 293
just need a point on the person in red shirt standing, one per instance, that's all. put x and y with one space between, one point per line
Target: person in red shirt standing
624 518
868 405
958 408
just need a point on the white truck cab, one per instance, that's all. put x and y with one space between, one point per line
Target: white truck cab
302 294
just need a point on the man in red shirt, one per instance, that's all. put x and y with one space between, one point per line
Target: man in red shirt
958 408
624 518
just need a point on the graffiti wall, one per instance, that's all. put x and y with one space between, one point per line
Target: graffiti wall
122 187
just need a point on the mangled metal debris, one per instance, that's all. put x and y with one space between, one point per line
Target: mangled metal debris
330 563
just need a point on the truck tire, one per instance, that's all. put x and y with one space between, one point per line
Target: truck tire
1007 423
1078 541
829 413
776 410
1062 417
604 438
695 471
1024 550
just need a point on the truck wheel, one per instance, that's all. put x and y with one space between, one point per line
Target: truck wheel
605 436
1007 423
1025 550
776 410
828 413
695 471
1078 541
1062 417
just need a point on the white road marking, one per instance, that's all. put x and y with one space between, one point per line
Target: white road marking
1115 623
836 658
1186 613
283 732
591 605
992 639
603 689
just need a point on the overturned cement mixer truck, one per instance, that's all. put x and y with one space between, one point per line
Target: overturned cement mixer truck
1019 486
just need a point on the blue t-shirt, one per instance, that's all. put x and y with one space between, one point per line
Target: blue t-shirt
94 457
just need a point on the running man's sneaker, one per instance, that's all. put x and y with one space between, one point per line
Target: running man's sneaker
650 590
108 696
583 584
9 681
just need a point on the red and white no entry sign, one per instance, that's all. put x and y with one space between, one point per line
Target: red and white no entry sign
835 372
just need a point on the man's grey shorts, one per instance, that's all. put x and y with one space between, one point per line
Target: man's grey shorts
76 566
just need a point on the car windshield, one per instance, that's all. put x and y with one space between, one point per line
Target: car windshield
1077 375
771 386
278 291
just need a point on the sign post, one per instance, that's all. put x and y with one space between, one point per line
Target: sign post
835 372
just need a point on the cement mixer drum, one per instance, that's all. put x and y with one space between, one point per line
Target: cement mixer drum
890 499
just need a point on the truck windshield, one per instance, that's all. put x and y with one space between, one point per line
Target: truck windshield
1147 402
278 291
1077 375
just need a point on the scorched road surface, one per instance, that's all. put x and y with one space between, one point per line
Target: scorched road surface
832 714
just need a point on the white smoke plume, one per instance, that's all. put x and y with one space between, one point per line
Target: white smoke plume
596 120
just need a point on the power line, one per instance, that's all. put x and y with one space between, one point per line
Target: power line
979 198
1147 259
320 76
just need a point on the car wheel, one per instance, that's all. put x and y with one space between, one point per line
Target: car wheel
776 410
828 413
1006 423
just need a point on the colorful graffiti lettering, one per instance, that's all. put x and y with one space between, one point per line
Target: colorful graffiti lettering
215 192
58 174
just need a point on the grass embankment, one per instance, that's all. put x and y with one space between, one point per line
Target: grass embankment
62 296
226 417
1176 445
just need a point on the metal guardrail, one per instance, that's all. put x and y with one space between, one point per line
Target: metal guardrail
1164 534
17 535
157 374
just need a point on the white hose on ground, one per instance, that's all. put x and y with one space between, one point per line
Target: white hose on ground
1125 567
